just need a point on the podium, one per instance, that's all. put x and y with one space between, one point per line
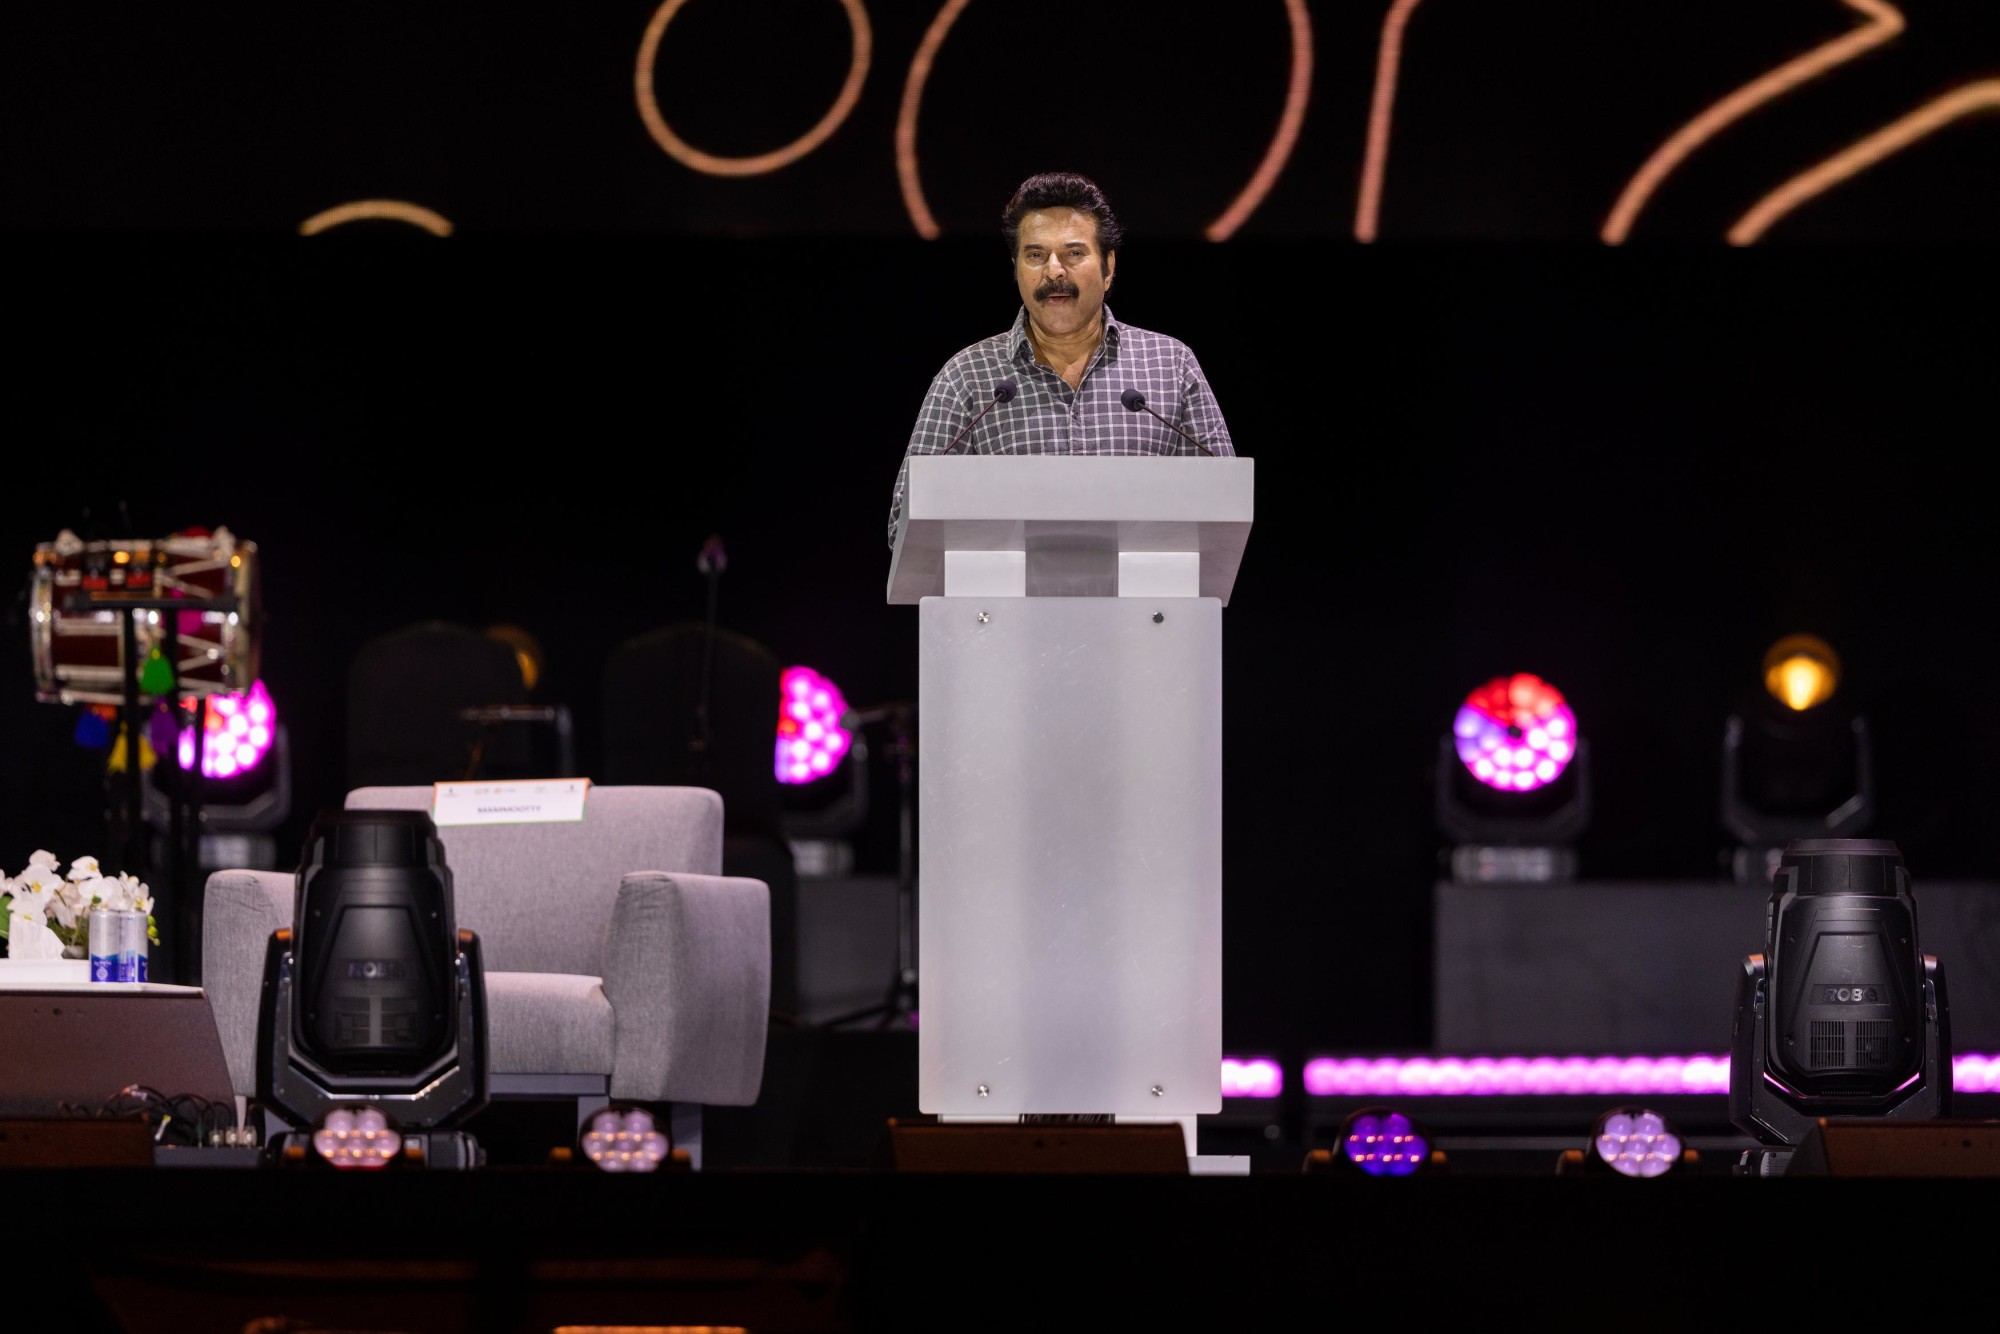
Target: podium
1069 718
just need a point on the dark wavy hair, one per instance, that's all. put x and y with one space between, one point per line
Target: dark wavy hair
1061 189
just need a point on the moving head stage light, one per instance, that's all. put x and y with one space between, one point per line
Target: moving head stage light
1796 761
1842 1015
374 1000
1513 783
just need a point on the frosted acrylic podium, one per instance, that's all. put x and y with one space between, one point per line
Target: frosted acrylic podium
1069 902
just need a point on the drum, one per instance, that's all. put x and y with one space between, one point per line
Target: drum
81 593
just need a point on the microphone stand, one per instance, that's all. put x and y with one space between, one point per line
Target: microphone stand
899 1007
711 561
178 901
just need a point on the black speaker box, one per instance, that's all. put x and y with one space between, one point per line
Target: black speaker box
1867 1147
1001 1147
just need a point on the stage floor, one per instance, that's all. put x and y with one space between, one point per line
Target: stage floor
501 1251
798 1222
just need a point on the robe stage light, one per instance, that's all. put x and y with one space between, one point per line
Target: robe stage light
374 998
1513 783
1796 762
1842 1015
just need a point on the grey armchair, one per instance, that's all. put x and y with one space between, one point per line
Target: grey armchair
619 962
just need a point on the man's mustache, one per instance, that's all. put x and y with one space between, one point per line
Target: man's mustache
1054 287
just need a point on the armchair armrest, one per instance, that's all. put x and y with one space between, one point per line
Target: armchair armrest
240 910
688 973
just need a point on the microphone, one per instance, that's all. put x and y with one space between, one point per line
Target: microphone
858 718
711 559
1136 401
1002 392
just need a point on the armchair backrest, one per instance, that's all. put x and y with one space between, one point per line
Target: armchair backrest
540 895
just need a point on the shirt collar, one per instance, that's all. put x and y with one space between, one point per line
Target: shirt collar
1017 337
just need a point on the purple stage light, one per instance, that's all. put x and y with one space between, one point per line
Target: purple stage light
624 1140
1256 1077
1515 1076
358 1137
1515 733
236 731
1636 1142
1383 1143
811 737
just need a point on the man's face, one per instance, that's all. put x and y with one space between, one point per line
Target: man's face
1061 275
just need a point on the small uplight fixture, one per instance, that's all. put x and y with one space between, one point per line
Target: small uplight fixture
1633 1141
812 736
1797 762
624 1138
357 1138
1378 1141
1513 786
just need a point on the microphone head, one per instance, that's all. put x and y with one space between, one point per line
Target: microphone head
1004 391
1133 399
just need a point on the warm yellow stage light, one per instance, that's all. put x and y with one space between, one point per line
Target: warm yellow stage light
1801 671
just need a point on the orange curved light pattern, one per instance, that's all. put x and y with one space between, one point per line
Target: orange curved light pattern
1297 91
906 118
1885 21
1289 120
365 210
688 155
1375 162
1888 140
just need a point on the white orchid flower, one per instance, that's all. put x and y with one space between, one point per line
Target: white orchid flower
29 895
43 857
131 892
28 937
66 903
84 868
43 879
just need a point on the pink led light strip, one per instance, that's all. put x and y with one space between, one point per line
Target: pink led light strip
1528 1076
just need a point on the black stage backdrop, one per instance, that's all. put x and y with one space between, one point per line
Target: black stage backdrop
1625 470
1488 441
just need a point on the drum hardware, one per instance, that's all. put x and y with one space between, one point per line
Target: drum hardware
98 612
208 585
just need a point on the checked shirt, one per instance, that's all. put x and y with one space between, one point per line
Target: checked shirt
1046 416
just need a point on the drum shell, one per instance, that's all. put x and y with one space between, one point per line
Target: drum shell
78 651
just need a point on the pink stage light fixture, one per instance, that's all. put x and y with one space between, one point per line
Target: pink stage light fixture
811 738
236 732
1515 733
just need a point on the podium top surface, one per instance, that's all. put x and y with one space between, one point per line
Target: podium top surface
1078 502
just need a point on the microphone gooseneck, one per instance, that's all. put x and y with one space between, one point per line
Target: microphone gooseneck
1002 392
1136 402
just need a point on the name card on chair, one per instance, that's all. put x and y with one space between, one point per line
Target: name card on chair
529 801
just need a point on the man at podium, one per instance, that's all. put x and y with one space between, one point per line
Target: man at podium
1068 377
